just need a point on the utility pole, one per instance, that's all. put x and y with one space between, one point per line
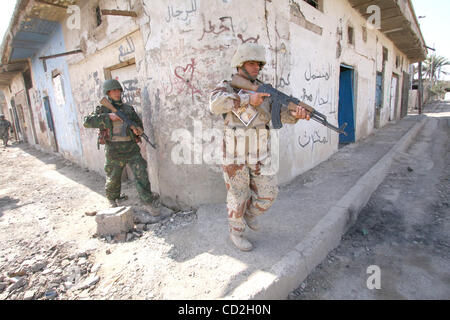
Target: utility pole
420 91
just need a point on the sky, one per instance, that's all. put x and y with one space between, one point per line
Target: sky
6 11
435 26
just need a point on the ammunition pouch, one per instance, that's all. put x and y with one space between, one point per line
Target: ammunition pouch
103 136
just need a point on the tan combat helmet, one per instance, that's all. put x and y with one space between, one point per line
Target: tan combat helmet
249 52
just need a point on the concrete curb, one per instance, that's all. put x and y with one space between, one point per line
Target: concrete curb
296 265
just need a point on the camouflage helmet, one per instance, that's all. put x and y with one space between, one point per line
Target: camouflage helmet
248 52
111 84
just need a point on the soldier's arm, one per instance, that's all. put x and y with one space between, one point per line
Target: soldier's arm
98 119
223 99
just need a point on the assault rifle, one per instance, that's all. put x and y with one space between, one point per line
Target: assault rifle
133 126
279 99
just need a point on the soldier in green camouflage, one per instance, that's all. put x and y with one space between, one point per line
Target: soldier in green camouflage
4 130
121 147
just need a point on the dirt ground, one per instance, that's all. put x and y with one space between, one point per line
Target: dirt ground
404 230
48 243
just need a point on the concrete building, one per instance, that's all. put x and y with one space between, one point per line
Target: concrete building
349 59
38 89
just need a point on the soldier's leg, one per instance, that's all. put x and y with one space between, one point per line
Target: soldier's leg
264 192
5 139
237 181
139 167
113 170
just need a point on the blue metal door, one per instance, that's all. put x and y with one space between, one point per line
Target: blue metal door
346 106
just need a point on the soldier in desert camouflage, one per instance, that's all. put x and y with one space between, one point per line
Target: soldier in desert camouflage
250 192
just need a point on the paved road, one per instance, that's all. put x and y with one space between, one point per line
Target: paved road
400 243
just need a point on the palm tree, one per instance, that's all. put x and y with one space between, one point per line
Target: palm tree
433 67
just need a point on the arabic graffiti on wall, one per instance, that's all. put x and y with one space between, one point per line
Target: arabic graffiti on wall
318 92
131 92
181 15
311 139
251 39
126 50
282 82
226 25
310 76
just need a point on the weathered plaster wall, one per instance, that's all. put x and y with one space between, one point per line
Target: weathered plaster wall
188 50
366 56
62 104
181 49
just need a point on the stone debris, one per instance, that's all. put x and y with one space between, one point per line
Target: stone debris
90 281
59 272
52 274
29 295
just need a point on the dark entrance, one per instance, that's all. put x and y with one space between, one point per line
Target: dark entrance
346 112
50 123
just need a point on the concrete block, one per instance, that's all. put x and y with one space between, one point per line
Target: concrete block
114 221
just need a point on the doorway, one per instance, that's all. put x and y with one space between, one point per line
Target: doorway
394 97
405 95
50 123
346 111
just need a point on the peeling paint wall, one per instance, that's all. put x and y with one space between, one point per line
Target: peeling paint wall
55 84
188 49
175 52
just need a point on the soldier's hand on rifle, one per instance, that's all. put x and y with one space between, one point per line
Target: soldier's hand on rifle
138 131
257 98
301 113
114 117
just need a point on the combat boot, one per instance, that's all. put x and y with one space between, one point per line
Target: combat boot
112 203
153 205
240 242
252 222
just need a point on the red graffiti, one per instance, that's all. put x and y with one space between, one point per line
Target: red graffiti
251 40
186 75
